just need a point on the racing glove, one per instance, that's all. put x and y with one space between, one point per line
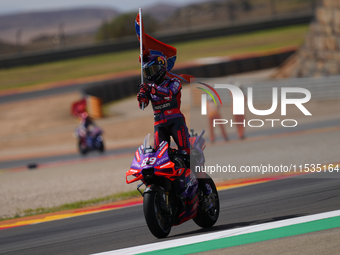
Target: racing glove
142 99
152 89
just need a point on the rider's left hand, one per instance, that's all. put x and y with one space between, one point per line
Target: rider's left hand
153 89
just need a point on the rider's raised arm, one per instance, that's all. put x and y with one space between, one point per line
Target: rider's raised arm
173 88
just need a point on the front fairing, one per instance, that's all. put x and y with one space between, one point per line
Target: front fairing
157 161
149 165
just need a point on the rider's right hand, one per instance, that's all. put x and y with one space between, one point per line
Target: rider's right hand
142 99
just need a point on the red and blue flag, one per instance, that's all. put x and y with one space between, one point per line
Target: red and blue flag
154 47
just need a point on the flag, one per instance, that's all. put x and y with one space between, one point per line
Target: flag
154 47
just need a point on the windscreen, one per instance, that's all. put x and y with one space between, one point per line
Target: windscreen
148 142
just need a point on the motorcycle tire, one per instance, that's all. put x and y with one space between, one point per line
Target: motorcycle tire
101 146
207 219
158 223
82 150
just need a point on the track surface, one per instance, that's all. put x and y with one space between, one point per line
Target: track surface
15 97
250 205
250 133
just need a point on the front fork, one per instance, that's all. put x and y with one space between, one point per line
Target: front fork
138 186
165 195
167 203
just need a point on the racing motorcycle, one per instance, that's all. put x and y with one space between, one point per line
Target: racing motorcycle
89 140
173 193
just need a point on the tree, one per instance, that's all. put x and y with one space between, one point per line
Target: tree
124 25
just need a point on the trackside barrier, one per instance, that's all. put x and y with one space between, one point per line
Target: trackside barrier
94 107
115 89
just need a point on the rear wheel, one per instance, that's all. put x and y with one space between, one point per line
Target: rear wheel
101 146
82 147
157 219
207 218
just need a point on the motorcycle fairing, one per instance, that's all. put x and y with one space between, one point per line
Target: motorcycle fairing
159 160
188 188
184 179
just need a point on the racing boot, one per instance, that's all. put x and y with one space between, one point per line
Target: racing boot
183 154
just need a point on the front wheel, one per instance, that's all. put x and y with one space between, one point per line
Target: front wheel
157 219
207 218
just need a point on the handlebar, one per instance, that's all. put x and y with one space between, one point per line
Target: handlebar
198 138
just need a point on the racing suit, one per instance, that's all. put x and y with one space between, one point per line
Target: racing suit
169 120
84 127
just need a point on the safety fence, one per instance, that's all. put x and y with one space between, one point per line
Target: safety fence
111 90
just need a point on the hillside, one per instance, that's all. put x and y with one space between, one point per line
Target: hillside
48 30
33 24
7 48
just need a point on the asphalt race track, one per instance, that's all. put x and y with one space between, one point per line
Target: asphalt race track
122 228
42 93
68 157
116 229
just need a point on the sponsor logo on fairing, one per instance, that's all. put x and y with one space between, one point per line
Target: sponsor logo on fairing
137 156
161 161
162 151
191 183
136 165
165 165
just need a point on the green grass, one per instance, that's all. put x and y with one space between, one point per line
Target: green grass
76 205
128 60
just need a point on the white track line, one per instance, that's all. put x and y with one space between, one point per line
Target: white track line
220 234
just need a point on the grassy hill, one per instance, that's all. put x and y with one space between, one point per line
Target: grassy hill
34 24
128 60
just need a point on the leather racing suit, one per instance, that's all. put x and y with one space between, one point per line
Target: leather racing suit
169 120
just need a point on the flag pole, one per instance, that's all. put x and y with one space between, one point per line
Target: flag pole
141 47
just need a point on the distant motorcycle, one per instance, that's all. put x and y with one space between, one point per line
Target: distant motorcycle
173 193
89 140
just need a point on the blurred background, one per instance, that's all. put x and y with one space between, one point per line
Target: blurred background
35 26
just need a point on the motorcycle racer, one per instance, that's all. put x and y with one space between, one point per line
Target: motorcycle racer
165 96
84 125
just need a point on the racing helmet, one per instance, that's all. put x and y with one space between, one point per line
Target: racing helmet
154 68
85 119
84 115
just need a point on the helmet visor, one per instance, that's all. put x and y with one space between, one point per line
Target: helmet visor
151 71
